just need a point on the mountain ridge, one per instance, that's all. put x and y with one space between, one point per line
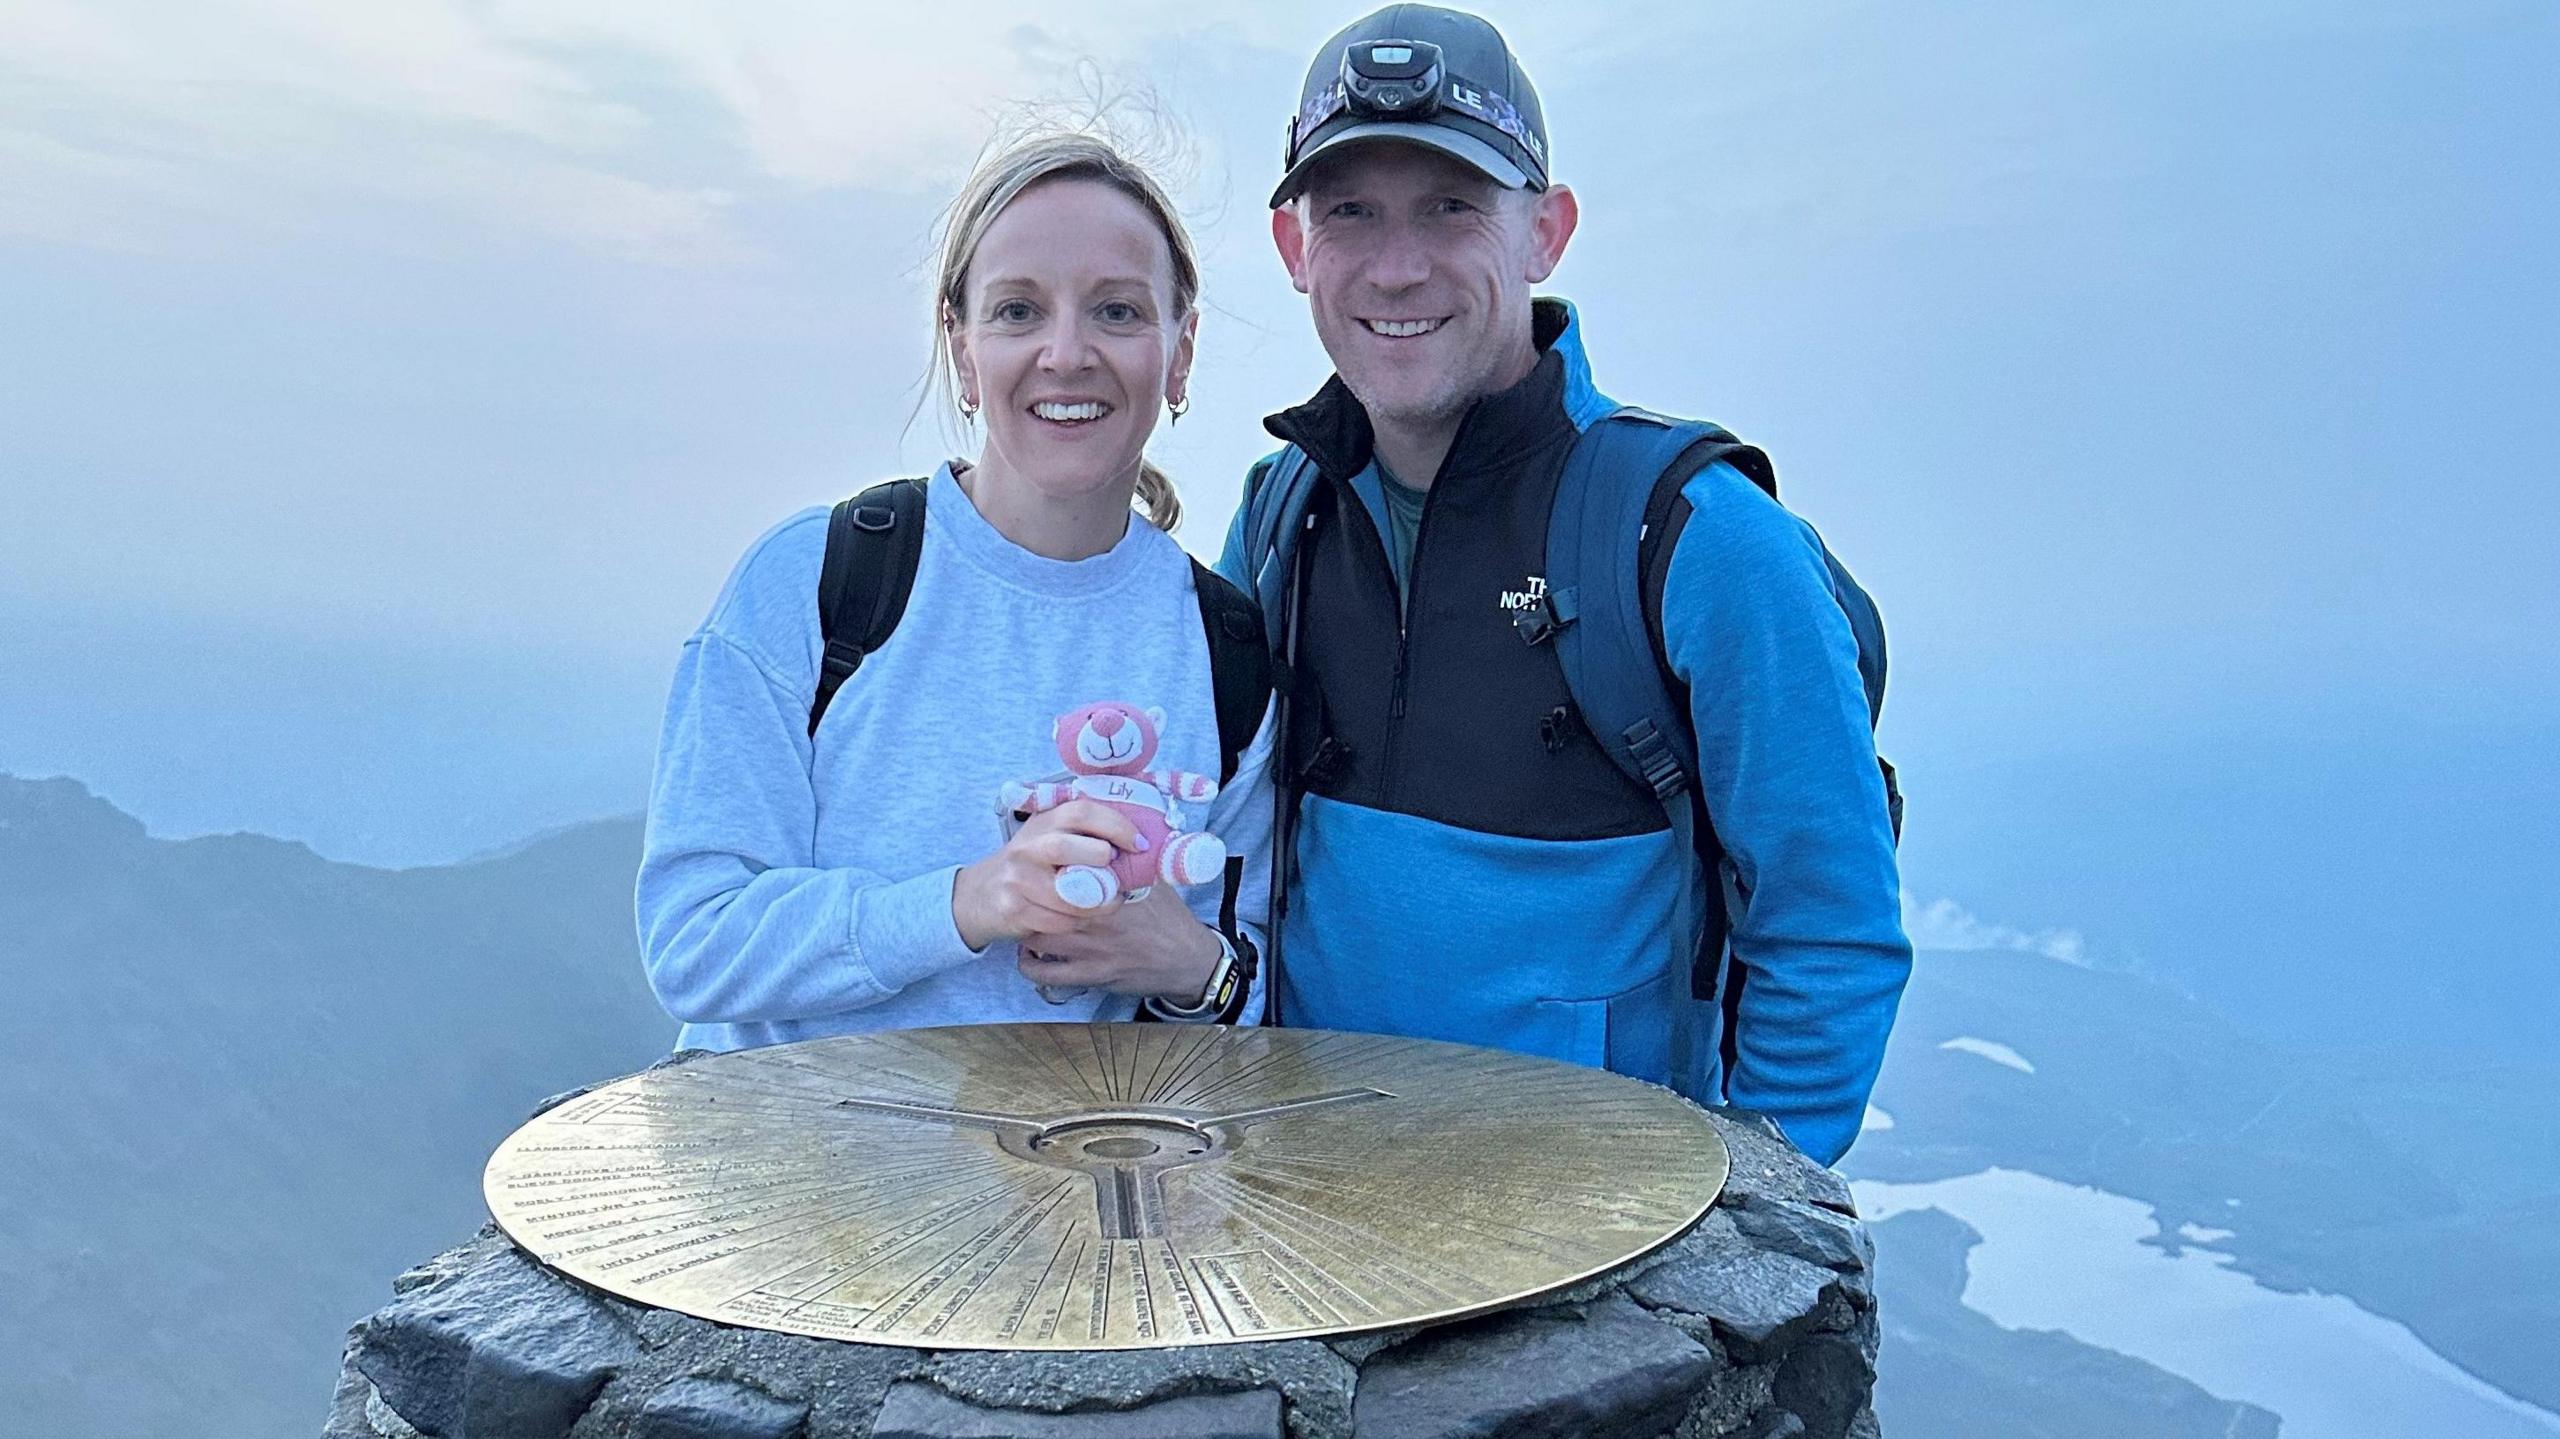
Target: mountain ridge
250 1079
255 1078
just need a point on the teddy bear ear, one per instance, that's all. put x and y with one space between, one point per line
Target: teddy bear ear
1155 717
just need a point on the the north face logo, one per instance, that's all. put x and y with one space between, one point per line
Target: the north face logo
1523 599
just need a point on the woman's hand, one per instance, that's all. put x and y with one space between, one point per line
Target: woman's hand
1013 893
1155 946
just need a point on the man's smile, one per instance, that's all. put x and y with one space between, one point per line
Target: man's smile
1403 329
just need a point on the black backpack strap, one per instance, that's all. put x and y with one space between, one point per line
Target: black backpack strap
873 542
1239 664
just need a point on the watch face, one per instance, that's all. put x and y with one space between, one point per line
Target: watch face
1232 976
1221 985
1218 995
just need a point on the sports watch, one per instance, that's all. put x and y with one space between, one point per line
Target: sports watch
1222 999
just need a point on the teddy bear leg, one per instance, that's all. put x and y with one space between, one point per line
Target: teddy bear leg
1087 886
1194 858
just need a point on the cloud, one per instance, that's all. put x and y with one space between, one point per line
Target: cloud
142 128
1945 924
628 129
855 95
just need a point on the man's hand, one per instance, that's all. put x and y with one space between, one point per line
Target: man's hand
1155 946
1013 893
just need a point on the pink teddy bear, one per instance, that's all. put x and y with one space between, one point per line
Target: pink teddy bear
1106 748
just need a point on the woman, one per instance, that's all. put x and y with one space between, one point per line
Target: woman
796 884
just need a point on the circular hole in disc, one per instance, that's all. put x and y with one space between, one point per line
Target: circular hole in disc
1122 1147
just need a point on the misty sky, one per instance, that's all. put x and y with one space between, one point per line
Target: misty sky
386 389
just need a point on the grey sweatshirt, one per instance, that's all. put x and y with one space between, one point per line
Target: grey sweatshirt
791 889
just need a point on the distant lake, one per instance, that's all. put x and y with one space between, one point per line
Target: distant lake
2331 1369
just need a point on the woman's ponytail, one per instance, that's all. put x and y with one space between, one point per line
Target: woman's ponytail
1156 495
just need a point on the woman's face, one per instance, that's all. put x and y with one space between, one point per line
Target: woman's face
1068 340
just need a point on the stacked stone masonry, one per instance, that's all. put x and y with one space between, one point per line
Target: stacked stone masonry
1758 1323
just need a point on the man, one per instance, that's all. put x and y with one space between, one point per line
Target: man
1471 862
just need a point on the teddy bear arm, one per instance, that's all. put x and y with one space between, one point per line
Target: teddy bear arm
1183 785
1040 797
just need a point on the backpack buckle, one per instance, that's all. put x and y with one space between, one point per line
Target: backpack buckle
1655 760
877 519
1325 767
842 659
1544 617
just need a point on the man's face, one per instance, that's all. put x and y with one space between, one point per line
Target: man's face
1418 271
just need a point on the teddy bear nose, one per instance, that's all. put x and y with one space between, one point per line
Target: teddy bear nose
1107 725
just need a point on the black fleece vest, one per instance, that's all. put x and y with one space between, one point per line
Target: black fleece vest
1436 708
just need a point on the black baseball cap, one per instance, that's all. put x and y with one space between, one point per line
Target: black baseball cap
1424 75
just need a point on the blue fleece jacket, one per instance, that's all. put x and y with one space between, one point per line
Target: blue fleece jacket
1579 949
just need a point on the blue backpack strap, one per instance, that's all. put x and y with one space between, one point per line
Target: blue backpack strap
1607 558
1668 514
1277 492
1596 609
1279 495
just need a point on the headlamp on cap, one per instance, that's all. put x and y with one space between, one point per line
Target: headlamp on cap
1392 79
1405 82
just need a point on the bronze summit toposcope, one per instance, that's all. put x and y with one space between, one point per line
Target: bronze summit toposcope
1102 1186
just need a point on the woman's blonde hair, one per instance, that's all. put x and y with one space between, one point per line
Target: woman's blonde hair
1006 172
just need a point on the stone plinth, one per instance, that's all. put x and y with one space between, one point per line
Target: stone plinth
1759 1322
